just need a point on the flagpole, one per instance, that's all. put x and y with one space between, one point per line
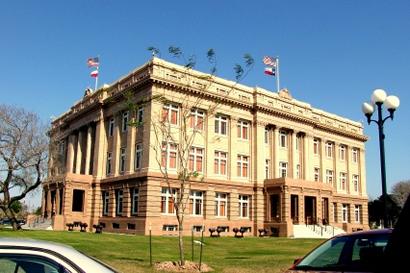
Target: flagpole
96 79
277 74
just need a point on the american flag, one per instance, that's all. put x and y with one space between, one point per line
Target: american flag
269 61
93 62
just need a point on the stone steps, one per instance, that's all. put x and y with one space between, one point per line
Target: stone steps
315 231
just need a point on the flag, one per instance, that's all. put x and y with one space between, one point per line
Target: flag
270 71
93 62
94 74
270 61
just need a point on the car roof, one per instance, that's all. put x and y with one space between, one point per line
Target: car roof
84 262
367 232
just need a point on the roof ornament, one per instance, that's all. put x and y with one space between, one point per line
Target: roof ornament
284 93
87 91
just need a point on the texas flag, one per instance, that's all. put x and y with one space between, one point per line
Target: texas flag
94 74
270 71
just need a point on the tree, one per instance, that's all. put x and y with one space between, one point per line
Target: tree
23 157
376 210
173 140
400 192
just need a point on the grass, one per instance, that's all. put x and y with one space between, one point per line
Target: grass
130 253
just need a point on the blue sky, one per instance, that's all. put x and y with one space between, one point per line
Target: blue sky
332 53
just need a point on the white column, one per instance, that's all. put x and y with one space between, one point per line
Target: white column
130 153
275 169
362 174
100 152
306 152
79 153
322 157
116 147
88 150
294 155
70 154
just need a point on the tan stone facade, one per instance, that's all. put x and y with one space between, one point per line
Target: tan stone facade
264 159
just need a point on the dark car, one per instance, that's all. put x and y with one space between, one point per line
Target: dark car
354 252
383 250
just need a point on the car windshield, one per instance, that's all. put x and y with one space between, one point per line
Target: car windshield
353 253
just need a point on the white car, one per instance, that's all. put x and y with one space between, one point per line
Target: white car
34 256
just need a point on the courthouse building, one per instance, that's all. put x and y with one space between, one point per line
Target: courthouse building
262 159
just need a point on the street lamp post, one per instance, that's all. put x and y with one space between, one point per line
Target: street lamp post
378 98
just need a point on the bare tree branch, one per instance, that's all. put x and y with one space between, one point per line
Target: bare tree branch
23 155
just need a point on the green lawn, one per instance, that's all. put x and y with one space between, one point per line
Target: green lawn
130 253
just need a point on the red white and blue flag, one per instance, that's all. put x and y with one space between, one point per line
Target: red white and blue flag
271 61
93 62
270 71
94 74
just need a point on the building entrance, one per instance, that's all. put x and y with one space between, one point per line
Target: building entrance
310 210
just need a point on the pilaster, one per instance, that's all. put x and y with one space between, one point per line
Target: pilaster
88 150
70 154
79 152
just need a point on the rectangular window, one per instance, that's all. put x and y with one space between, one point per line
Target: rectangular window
169 155
118 202
195 160
106 201
298 171
267 168
140 115
342 152
221 204
342 179
355 155
196 119
329 176
283 136
316 146
134 201
78 200
242 165
220 162
111 127
169 227
244 206
170 113
195 202
138 156
345 213
243 129
124 124
317 174
329 149
167 200
122 160
283 169
357 214
109 163
355 179
221 125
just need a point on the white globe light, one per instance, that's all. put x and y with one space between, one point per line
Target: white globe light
392 102
367 108
379 95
